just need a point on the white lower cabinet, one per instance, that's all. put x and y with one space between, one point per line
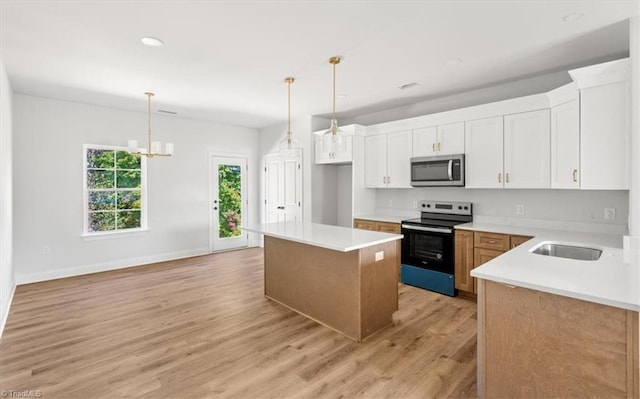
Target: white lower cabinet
508 152
387 160
565 145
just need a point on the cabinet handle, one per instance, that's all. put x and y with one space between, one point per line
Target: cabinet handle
438 146
433 147
491 241
574 174
507 177
499 177
388 179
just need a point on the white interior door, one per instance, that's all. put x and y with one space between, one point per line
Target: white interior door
283 189
228 203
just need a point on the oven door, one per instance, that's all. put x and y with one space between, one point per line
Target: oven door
428 248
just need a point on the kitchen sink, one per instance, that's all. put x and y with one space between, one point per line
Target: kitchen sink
567 251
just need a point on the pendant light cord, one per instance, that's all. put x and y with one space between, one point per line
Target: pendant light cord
334 90
289 110
149 95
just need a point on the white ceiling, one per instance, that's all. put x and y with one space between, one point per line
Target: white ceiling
226 60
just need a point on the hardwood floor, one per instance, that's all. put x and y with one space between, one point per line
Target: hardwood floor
201 327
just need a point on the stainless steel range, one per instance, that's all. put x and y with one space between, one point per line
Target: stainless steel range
428 246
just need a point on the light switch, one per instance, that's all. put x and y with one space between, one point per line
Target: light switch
379 255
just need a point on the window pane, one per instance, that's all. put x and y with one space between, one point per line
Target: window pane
100 159
102 200
129 200
128 219
129 179
102 221
126 160
100 179
229 190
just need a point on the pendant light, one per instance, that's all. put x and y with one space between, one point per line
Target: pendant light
154 148
289 148
334 134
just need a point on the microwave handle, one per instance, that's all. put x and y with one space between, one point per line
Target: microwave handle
450 169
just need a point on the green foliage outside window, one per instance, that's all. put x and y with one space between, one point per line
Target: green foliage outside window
229 192
114 190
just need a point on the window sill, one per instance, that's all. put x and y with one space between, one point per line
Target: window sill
114 234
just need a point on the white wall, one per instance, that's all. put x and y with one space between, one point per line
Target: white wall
48 200
554 206
7 284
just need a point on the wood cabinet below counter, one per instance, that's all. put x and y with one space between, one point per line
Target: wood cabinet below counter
473 248
374 225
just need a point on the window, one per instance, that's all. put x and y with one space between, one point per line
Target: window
115 188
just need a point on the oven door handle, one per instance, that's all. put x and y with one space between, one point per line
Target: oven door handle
450 169
432 229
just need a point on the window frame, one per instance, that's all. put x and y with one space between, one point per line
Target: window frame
85 190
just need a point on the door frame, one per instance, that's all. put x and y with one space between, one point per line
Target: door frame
211 155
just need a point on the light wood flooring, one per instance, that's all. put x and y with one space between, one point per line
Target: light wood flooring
202 328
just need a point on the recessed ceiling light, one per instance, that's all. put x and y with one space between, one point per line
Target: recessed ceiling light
151 41
407 85
451 62
573 16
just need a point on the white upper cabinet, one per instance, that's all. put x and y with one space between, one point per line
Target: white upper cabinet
334 150
604 134
483 155
338 149
399 146
605 110
387 160
375 161
424 141
565 145
451 139
527 152
440 140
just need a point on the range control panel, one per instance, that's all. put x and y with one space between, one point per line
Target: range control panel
451 208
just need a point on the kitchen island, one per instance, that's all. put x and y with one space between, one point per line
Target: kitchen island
343 278
551 326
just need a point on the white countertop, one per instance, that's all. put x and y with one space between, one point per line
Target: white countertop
343 239
608 280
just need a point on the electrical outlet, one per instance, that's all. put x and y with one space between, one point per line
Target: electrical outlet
520 210
46 249
389 203
379 256
609 213
415 205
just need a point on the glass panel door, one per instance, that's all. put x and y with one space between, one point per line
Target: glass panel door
228 203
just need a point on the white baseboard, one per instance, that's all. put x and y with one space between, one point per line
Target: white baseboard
29 278
5 316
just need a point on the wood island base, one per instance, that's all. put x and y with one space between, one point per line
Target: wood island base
349 292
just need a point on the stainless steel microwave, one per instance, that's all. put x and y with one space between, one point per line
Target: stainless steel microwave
444 170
